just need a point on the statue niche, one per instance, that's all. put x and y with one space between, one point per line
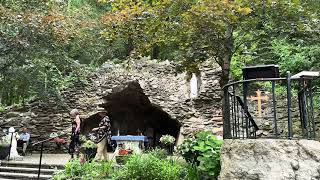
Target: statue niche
132 113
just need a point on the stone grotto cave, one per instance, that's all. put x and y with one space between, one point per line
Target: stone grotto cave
132 113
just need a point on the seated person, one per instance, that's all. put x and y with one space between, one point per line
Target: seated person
24 140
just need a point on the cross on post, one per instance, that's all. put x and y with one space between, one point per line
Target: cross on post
259 98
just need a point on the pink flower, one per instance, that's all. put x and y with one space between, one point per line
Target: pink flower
82 160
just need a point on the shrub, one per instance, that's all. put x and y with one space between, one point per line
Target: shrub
159 153
167 140
203 151
192 173
89 170
89 144
149 167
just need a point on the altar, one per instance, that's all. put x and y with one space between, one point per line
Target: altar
134 143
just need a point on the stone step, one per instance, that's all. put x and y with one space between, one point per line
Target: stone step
30 165
27 170
22 176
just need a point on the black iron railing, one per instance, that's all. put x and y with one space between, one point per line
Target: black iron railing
240 122
41 150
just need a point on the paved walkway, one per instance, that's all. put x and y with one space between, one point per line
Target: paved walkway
57 159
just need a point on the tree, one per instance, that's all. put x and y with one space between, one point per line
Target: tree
204 29
43 46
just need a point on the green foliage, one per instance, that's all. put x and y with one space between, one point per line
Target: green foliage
193 173
149 167
2 109
47 46
4 141
167 140
158 153
45 49
203 150
88 144
89 170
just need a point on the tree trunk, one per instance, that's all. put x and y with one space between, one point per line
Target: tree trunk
155 52
225 61
129 46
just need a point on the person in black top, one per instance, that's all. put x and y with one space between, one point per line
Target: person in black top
103 135
74 146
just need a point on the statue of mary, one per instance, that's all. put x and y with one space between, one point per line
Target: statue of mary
13 151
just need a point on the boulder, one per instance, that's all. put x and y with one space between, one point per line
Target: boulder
270 159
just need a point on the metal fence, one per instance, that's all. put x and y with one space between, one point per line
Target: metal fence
241 122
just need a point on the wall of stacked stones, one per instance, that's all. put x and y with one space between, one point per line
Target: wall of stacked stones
160 81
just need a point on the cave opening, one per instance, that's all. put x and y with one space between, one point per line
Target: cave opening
132 113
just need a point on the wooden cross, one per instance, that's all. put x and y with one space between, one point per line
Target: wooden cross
259 98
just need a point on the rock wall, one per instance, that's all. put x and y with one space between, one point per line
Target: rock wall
159 80
267 159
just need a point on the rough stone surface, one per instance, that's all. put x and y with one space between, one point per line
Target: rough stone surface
270 159
160 82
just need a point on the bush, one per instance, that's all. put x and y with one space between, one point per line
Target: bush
149 167
167 140
159 153
203 151
192 172
89 170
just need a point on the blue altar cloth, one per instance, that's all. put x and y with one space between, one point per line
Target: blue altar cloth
130 138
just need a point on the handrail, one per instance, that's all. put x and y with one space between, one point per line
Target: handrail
48 139
247 113
41 142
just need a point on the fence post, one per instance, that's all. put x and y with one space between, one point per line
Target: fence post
226 114
289 105
40 160
274 102
10 146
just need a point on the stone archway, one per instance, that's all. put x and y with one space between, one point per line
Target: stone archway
132 113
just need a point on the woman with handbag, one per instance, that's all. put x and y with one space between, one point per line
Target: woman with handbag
102 135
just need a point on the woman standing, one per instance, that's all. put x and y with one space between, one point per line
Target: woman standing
74 146
103 135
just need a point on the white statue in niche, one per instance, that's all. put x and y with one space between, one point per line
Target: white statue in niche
13 151
194 86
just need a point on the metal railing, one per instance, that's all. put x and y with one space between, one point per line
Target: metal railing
242 124
33 145
41 150
239 122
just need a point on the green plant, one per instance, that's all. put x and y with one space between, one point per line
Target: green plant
149 167
159 153
88 144
2 108
4 140
203 150
89 170
167 140
192 172
82 138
